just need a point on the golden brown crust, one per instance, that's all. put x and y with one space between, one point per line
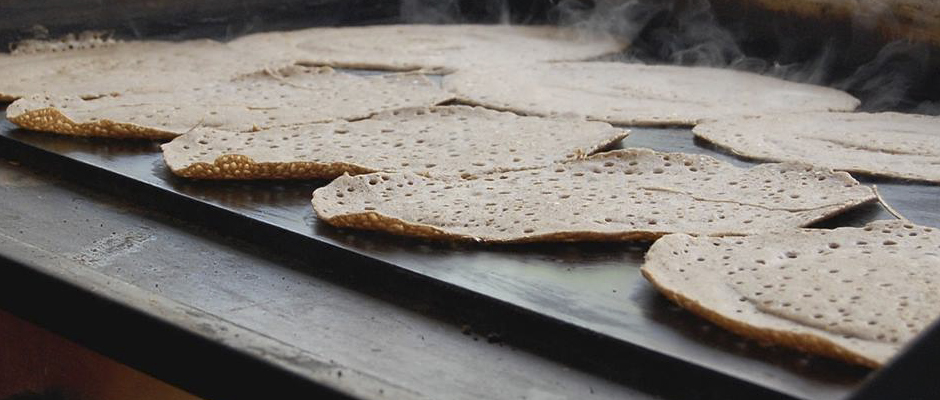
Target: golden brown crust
800 341
261 100
377 222
236 166
435 141
52 120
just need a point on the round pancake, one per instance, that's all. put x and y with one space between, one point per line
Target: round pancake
636 94
454 140
92 68
262 100
634 194
882 144
430 48
857 294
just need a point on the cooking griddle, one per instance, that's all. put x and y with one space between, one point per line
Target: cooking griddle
593 292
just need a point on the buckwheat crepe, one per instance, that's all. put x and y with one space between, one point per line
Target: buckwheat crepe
430 48
458 141
883 144
635 94
91 67
857 294
633 194
266 99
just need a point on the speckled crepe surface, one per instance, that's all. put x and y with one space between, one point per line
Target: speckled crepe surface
620 195
636 94
261 100
884 144
432 48
453 140
90 68
858 294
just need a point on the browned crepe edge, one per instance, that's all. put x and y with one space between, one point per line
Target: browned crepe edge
50 119
374 221
236 166
801 341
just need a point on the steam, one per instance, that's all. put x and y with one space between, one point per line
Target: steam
622 19
454 11
928 108
898 77
680 32
887 81
429 11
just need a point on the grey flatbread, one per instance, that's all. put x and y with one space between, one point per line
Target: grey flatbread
91 67
431 48
459 140
857 294
633 194
636 94
289 96
883 144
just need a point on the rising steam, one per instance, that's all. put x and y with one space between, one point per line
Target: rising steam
901 76
898 77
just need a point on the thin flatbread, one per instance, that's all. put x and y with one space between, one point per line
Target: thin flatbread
92 68
459 140
634 194
267 99
856 294
883 144
636 94
430 48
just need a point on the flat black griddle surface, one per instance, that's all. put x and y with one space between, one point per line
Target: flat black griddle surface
595 287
